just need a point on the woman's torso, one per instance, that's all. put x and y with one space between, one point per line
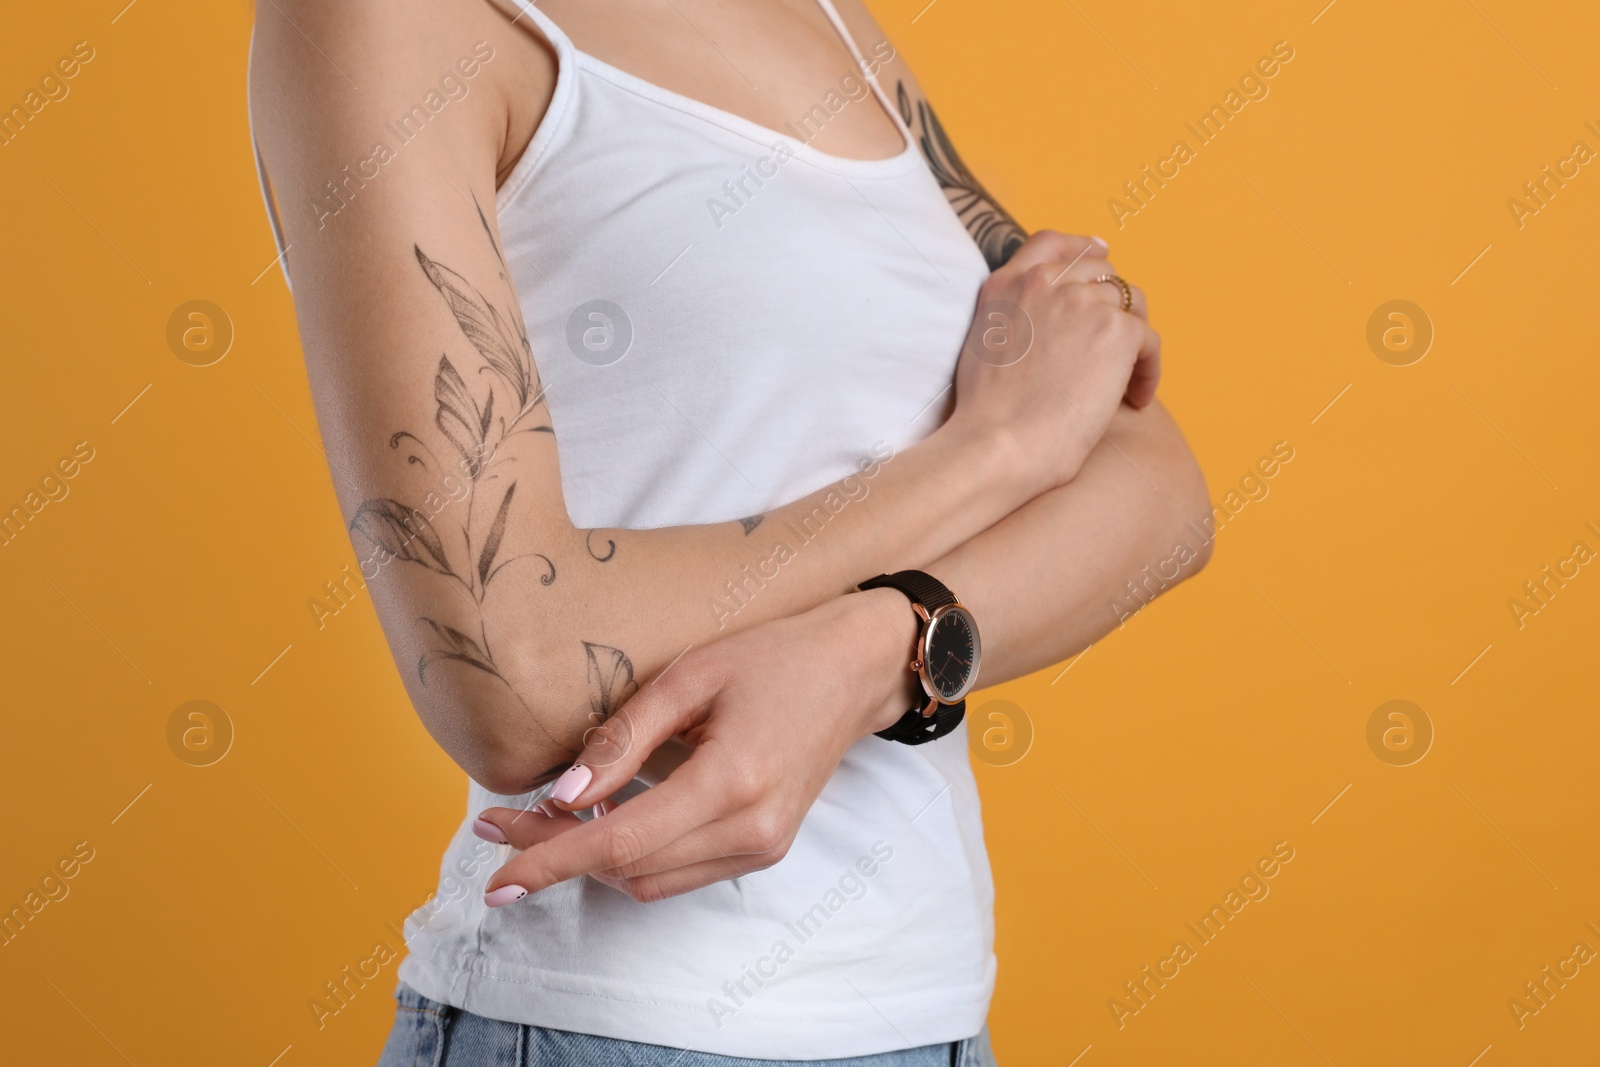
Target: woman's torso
728 316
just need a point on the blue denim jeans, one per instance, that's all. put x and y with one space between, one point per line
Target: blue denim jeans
429 1034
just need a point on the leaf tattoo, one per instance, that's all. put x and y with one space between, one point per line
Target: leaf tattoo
997 234
402 533
458 647
496 534
475 425
483 326
460 419
610 679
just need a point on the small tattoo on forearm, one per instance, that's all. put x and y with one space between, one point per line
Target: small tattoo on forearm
611 548
751 523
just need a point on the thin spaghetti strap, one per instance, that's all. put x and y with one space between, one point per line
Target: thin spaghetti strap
868 68
838 24
530 11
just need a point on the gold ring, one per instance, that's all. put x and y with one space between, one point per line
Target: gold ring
1121 283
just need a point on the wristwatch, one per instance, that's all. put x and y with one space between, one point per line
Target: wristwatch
946 661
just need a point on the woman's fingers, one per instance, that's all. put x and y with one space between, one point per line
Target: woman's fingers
1146 371
652 887
1078 259
522 828
1139 308
742 837
613 752
1146 374
724 849
691 798
1108 292
1086 269
1048 246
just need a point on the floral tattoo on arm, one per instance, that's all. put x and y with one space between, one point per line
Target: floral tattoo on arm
477 413
997 234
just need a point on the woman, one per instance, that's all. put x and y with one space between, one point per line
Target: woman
633 336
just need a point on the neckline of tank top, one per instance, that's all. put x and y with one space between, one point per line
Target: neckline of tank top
569 56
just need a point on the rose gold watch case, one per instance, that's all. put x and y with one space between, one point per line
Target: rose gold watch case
930 622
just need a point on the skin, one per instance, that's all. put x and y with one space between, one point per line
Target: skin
523 639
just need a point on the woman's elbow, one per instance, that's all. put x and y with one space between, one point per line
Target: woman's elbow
511 769
1184 515
1194 517
1181 523
504 745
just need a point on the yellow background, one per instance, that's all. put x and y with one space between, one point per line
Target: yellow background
1168 758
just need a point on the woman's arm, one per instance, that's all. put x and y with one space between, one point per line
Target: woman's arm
1053 577
771 710
514 630
1060 572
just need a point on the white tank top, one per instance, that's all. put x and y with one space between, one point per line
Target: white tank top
726 320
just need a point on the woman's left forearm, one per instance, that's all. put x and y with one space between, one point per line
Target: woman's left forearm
1058 573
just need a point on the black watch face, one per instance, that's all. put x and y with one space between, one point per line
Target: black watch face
951 653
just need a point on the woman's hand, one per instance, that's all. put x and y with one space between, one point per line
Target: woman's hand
1051 353
769 712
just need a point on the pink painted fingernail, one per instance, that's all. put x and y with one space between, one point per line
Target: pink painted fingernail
1101 241
489 832
600 809
506 894
571 783
545 808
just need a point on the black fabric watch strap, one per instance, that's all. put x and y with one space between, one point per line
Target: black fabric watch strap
914 728
922 588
